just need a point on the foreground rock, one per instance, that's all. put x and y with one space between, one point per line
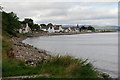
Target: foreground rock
24 52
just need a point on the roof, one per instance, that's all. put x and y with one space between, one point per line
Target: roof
57 25
44 27
65 27
56 28
72 28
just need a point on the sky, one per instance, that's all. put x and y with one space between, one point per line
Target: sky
85 13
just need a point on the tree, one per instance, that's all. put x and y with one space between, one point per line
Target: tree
10 22
36 27
77 26
83 28
91 28
42 25
50 25
29 21
1 8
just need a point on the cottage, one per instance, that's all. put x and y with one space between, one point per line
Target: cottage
77 29
58 28
25 29
65 29
51 28
43 27
74 29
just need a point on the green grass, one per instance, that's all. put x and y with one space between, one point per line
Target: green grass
56 67
69 67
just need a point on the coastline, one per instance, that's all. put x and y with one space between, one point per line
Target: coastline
27 53
30 54
43 57
53 34
42 54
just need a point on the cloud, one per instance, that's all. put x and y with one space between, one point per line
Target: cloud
66 12
60 1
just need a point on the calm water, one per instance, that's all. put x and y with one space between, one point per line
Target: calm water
100 48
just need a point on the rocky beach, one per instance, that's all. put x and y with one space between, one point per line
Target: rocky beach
35 57
27 53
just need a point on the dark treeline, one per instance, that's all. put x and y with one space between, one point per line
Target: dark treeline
10 23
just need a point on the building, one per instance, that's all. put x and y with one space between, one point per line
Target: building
25 29
75 29
65 29
58 28
51 28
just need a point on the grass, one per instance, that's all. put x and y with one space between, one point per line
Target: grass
69 67
56 67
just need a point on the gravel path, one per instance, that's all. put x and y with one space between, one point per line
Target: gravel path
23 77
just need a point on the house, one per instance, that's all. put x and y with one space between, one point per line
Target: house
47 28
43 27
75 29
25 29
71 29
58 28
51 28
65 29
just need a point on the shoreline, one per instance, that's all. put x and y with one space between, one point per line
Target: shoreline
32 51
27 53
70 34
44 58
53 34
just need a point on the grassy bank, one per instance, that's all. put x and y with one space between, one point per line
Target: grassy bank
56 67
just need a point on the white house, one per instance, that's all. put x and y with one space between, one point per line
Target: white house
25 29
51 29
58 28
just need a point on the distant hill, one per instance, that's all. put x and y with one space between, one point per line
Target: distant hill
69 25
114 28
97 27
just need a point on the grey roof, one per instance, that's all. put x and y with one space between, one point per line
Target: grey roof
44 27
65 27
56 28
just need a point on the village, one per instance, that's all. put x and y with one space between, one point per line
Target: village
50 28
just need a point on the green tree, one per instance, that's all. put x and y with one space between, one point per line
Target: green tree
10 22
91 28
36 27
42 25
29 21
50 25
83 28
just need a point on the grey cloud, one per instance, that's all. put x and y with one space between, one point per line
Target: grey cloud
65 12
